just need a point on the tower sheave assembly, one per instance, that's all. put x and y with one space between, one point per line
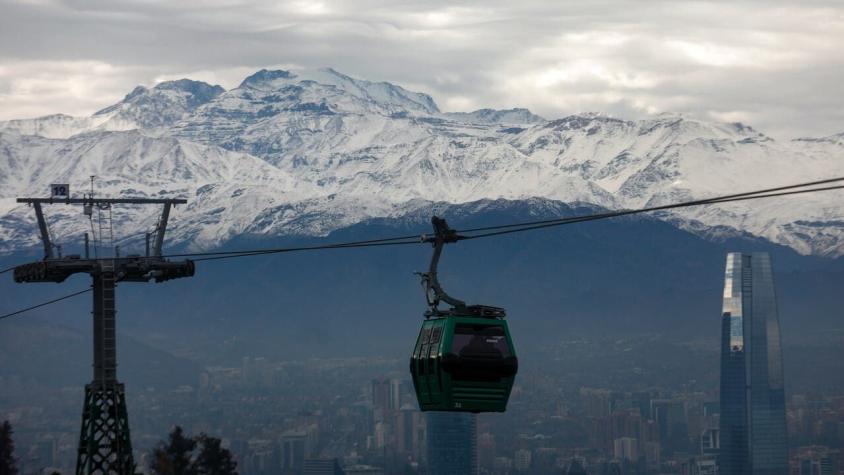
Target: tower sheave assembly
104 443
753 427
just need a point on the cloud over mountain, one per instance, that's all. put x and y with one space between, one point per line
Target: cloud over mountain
774 64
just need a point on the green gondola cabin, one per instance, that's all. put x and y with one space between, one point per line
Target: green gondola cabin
464 359
463 363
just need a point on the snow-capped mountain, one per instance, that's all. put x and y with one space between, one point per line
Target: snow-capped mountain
307 152
143 108
517 116
159 106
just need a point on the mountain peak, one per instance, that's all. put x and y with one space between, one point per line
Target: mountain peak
139 90
161 105
833 139
265 75
189 85
516 115
327 85
582 121
334 72
195 94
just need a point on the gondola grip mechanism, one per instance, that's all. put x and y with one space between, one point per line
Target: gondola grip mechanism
434 292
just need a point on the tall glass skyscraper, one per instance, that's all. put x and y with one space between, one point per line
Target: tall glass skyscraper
753 429
452 439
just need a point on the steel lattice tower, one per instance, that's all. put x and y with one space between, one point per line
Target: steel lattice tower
105 446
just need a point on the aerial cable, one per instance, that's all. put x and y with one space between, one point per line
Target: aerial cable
526 226
45 303
518 227
307 248
615 214
495 230
409 239
683 204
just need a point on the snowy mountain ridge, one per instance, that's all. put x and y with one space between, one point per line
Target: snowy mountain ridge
311 151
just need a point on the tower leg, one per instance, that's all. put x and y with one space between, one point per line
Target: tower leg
104 443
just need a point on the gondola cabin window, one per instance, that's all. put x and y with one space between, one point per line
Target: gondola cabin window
480 341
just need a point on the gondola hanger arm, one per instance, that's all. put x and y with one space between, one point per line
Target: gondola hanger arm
434 292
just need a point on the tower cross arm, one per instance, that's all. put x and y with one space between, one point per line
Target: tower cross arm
137 201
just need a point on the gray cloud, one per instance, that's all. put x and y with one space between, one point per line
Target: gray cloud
773 64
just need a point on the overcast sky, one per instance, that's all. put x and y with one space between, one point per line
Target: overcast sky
778 66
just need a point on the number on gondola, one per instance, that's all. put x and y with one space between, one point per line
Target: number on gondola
59 190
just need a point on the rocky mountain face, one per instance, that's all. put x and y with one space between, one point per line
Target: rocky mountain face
160 106
309 152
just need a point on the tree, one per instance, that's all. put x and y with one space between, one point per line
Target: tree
214 459
174 456
8 464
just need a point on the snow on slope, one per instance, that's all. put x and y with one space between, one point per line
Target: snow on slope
55 126
162 105
311 151
491 116
221 186
672 159
143 108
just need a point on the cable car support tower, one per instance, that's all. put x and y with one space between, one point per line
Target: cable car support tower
105 446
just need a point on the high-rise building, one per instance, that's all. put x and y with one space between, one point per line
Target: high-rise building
710 441
596 402
575 467
452 443
817 460
626 448
295 448
396 390
322 466
363 470
672 423
522 460
704 465
753 428
409 431
486 450
380 398
651 451
46 452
